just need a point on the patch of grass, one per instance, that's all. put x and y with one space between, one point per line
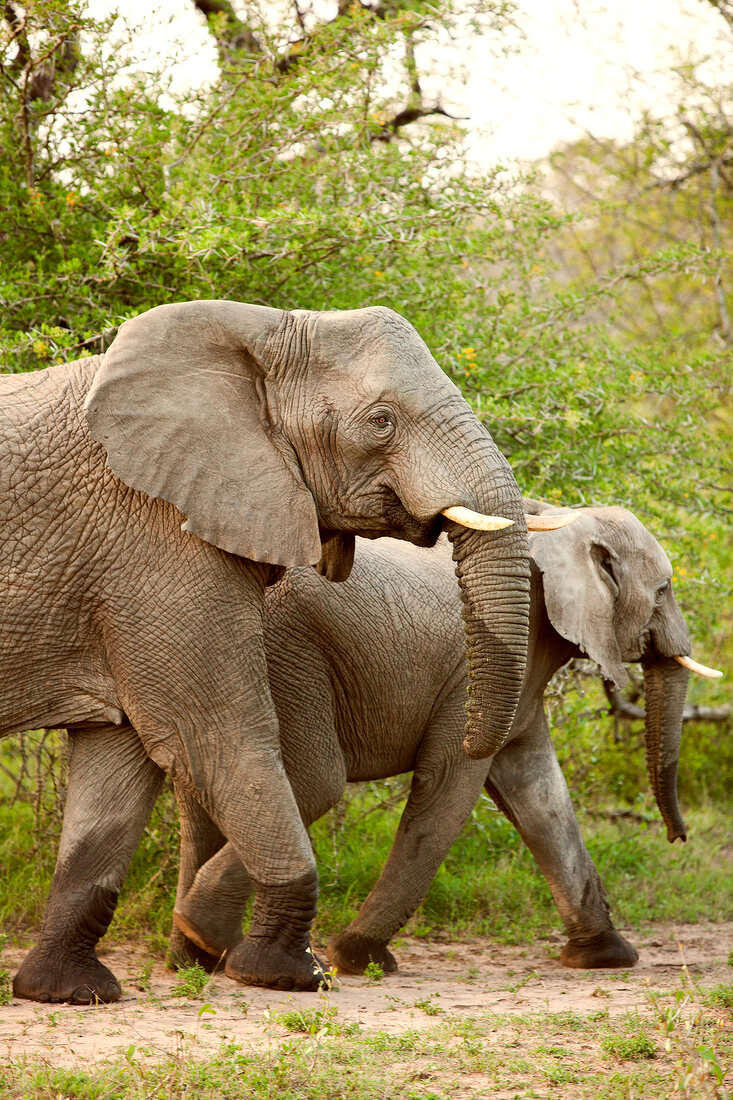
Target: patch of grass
631 1049
519 1055
191 981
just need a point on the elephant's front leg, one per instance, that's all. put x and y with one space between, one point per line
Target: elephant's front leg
527 784
111 792
445 787
213 890
249 798
201 701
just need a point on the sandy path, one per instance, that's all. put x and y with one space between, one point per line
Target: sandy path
467 977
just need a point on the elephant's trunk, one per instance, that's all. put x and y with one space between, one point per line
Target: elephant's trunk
665 686
493 574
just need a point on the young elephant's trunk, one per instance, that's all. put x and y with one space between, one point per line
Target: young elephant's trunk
665 686
493 574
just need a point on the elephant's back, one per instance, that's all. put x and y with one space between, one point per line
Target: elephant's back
42 413
396 593
44 445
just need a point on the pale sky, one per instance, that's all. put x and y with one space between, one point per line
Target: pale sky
583 65
589 65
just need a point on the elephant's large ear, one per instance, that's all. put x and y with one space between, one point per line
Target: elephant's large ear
183 405
578 576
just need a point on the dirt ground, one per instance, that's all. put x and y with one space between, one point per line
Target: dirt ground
467 977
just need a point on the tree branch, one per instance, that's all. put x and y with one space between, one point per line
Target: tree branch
387 130
17 34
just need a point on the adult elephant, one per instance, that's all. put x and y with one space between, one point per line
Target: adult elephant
148 498
368 681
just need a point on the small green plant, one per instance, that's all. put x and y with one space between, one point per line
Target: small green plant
314 1021
191 981
429 1007
561 1075
522 982
720 996
141 980
633 1049
6 992
373 972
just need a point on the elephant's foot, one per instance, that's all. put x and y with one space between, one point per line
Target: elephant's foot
258 961
212 931
351 953
605 950
276 953
183 952
52 977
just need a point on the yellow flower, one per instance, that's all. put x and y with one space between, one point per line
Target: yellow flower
71 198
41 348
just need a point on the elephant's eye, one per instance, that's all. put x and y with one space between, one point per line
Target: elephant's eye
382 423
662 591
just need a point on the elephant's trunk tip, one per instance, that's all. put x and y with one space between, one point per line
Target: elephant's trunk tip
477 748
678 832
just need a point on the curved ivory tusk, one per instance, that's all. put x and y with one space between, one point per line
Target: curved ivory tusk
549 523
476 520
701 670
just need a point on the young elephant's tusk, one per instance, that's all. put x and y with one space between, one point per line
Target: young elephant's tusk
701 670
476 520
550 523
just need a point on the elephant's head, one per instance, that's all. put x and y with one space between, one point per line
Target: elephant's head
281 435
608 589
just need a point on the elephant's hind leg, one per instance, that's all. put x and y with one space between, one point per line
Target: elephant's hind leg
445 788
112 789
528 786
203 931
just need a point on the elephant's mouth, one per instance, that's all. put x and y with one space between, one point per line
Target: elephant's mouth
395 520
648 653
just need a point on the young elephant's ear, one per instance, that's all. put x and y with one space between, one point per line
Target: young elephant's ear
180 402
580 572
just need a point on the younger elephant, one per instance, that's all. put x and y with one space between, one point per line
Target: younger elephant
368 680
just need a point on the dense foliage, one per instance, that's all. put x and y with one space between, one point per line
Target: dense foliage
582 307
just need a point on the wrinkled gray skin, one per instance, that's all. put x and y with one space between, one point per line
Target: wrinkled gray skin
368 681
276 436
